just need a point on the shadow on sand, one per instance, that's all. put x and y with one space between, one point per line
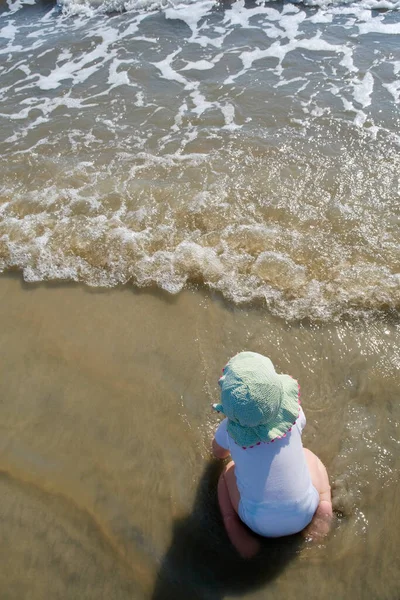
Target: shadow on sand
201 564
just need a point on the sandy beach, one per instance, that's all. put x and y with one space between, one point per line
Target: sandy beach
107 483
180 181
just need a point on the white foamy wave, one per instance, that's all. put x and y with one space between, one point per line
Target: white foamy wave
366 4
103 253
87 6
298 249
90 7
247 149
14 5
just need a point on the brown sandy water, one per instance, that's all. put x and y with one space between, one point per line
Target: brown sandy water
107 484
247 148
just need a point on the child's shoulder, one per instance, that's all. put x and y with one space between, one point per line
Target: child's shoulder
301 420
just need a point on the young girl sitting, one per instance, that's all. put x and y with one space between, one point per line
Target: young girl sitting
273 485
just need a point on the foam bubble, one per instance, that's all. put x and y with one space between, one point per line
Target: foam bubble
363 90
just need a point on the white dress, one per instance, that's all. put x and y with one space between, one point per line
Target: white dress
277 496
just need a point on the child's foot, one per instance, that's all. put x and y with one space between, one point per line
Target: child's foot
244 542
321 523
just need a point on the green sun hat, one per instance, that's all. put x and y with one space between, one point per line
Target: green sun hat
260 404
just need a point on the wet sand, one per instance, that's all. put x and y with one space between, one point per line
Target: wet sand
106 480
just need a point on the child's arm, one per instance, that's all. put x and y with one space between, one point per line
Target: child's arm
220 442
219 451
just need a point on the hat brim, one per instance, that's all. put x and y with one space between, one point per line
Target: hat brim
279 427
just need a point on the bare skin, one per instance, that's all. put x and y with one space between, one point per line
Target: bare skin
322 520
243 539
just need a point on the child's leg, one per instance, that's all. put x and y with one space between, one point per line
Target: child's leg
322 519
228 497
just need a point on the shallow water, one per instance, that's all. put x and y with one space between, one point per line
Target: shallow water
106 479
236 166
249 147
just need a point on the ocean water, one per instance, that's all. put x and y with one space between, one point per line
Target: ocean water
180 181
106 481
249 147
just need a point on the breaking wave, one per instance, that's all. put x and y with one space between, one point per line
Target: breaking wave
247 149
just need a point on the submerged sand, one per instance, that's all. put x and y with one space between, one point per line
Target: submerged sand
106 480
